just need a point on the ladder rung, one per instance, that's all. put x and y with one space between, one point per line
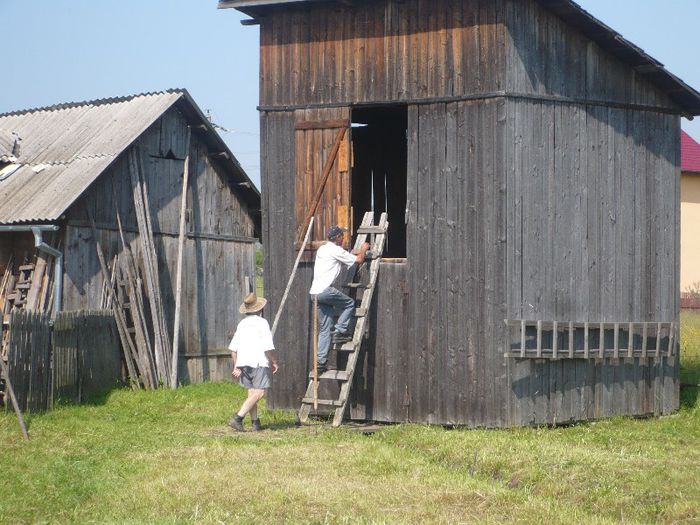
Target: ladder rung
371 229
346 347
326 402
339 375
25 267
360 312
23 286
356 285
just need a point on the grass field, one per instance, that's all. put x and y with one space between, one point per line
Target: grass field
168 457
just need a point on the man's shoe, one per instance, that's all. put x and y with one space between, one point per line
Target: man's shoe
236 425
341 338
256 425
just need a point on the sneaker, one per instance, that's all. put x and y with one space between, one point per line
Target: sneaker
256 425
236 425
340 338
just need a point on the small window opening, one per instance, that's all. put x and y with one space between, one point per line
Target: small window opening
380 158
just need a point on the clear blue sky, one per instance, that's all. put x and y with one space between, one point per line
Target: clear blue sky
72 50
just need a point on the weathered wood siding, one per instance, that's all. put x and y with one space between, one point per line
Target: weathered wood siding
219 250
542 184
382 51
593 211
547 56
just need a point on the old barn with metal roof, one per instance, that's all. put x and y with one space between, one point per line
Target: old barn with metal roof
527 156
67 177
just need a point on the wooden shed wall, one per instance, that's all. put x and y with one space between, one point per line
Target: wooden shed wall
219 250
592 213
556 199
402 50
547 56
380 51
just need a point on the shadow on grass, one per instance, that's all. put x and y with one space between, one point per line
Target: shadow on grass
690 383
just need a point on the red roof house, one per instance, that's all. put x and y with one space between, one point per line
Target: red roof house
690 154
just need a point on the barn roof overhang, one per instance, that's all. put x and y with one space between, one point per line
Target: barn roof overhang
687 98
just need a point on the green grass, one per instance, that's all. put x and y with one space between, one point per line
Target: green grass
168 457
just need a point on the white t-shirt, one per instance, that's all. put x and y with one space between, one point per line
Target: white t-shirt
329 257
250 342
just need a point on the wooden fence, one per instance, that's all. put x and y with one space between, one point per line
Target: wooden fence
80 359
29 359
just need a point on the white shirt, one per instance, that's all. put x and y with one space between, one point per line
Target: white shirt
329 257
250 342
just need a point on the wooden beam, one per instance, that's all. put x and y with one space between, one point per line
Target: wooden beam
178 272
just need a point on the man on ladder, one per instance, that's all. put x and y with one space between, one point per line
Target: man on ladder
329 258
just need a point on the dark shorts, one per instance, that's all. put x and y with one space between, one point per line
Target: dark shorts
258 377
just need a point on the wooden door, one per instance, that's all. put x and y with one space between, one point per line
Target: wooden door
323 162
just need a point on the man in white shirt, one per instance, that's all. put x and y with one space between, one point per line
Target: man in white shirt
332 302
252 352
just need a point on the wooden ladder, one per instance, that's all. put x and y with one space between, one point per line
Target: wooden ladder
366 290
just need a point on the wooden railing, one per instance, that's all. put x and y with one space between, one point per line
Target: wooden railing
591 340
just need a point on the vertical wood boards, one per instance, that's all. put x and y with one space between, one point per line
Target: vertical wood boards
546 55
29 359
604 255
213 268
392 50
313 150
516 208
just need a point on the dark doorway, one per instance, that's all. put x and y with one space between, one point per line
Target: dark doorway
379 170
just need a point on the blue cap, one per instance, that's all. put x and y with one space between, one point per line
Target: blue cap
335 231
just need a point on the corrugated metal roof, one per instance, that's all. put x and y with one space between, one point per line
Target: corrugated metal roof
681 93
690 154
66 147
7 143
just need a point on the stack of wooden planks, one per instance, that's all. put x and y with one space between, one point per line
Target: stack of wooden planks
131 289
24 286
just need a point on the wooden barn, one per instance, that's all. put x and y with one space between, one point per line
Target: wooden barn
528 159
69 179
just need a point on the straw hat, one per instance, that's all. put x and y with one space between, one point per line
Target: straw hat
252 303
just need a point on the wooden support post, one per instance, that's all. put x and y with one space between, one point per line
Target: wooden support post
178 277
601 341
571 339
645 334
522 338
539 339
291 277
586 345
630 340
315 346
555 339
616 341
15 405
658 340
671 339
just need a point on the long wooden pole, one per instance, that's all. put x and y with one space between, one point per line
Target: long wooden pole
180 248
8 385
315 352
291 277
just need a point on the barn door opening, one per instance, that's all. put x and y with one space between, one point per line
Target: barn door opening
379 172
322 183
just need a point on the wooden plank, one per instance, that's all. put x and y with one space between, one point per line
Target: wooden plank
555 340
616 341
539 338
178 271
